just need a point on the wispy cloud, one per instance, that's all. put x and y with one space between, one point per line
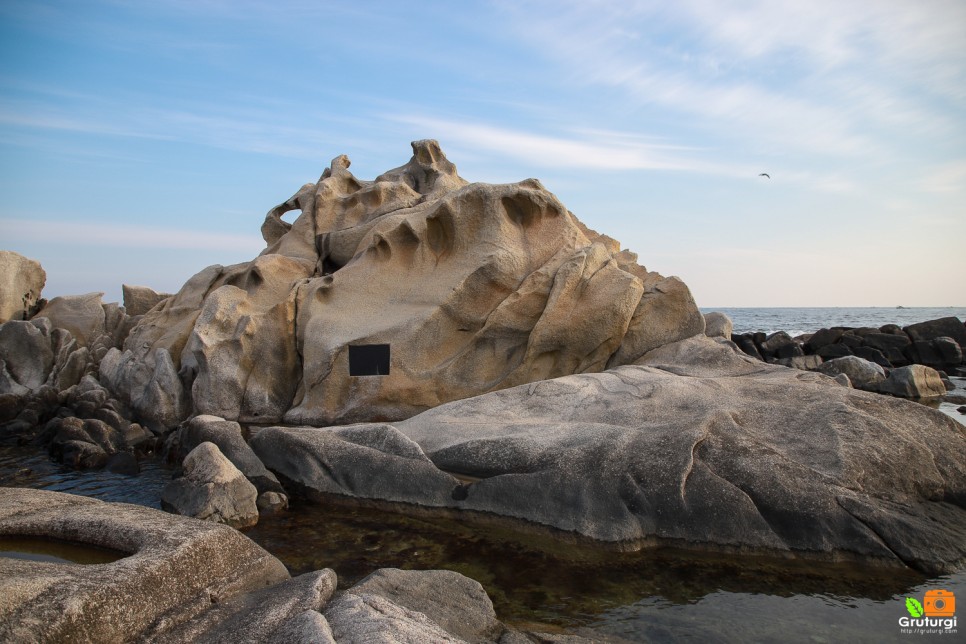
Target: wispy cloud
99 234
586 149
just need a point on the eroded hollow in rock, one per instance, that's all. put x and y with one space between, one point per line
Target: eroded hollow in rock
45 549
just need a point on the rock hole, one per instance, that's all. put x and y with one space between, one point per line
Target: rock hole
461 492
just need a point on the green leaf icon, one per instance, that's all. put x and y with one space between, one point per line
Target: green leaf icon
914 607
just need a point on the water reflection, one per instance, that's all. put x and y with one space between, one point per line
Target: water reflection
535 578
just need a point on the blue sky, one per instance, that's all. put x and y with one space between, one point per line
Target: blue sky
141 142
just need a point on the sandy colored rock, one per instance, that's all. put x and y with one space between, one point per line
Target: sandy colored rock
82 315
138 300
913 381
718 325
21 281
464 288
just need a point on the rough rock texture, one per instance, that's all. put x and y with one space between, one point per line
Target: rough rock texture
696 445
913 381
718 325
138 300
473 287
227 435
82 315
862 373
256 617
456 603
365 619
176 569
21 282
212 489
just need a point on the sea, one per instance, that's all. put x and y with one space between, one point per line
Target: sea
663 596
800 320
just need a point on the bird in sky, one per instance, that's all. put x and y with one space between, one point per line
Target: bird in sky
765 174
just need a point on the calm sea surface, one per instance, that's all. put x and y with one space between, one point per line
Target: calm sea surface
664 596
796 321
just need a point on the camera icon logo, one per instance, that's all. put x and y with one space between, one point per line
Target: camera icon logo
939 603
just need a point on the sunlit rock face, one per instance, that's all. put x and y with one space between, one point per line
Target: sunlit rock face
385 298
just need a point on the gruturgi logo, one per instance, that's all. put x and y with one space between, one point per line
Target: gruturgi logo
936 614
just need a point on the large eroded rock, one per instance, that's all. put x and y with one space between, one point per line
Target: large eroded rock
695 445
439 288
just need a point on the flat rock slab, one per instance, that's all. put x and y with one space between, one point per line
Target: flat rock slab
176 569
695 445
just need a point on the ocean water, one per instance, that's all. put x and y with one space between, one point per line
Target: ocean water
796 321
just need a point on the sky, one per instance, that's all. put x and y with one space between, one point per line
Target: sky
143 141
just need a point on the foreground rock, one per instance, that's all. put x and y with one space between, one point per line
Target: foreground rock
182 580
385 298
175 569
695 445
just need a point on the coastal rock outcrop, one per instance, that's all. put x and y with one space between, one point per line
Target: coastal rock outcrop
385 298
21 282
695 444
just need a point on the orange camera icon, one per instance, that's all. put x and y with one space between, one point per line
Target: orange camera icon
939 603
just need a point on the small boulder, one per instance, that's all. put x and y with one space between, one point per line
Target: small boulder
456 603
82 315
913 381
717 325
212 489
746 343
862 373
770 347
138 300
21 281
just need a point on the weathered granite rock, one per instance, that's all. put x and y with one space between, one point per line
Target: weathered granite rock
256 617
694 445
717 325
26 356
453 289
176 568
363 619
212 489
227 435
949 351
822 338
456 603
805 363
82 315
862 373
913 381
138 300
21 281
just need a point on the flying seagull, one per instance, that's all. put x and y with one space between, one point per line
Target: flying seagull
765 174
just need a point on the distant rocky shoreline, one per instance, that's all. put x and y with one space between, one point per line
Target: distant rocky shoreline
880 359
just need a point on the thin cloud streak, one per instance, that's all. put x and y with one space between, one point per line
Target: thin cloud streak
123 236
